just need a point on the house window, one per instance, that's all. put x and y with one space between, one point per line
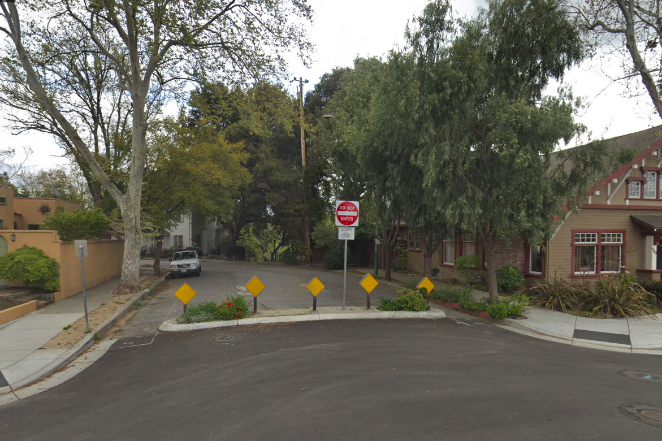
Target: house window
178 242
599 252
33 226
2 224
449 250
414 242
650 185
635 190
535 259
3 201
468 244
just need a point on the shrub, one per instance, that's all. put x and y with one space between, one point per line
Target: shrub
510 307
81 224
435 271
509 278
654 287
466 265
386 304
452 295
31 266
558 295
401 260
289 257
474 305
334 259
407 300
619 296
232 308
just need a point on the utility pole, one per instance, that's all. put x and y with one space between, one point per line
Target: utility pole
306 220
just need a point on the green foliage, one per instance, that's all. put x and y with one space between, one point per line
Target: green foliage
466 265
31 266
510 307
474 305
435 271
232 308
407 300
451 295
289 257
334 259
654 287
386 304
619 296
401 259
557 295
509 278
81 224
325 235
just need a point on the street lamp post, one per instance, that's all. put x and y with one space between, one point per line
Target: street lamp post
306 220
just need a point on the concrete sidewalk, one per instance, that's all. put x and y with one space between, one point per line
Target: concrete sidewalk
21 342
636 335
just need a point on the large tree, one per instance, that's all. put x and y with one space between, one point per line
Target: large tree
148 46
631 30
496 144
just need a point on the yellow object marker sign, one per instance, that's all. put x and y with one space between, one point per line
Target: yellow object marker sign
425 283
185 294
315 286
255 286
368 283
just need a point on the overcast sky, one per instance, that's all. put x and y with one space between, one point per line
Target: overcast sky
345 29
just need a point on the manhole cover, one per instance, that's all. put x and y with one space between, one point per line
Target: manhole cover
224 338
643 413
645 376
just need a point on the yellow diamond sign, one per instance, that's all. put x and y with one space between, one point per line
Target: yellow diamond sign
368 283
185 293
255 286
315 286
425 283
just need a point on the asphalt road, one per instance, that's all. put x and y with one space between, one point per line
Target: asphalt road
345 380
285 287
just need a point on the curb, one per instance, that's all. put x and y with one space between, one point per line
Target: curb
172 326
87 341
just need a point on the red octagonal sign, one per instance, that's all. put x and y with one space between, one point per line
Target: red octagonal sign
347 213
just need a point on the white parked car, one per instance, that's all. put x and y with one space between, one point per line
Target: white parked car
185 262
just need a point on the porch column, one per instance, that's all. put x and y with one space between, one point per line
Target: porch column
650 248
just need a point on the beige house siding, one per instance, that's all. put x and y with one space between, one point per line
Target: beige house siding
559 250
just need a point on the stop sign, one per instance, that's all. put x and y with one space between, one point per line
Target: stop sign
347 213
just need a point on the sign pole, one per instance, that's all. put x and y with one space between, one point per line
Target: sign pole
82 272
344 280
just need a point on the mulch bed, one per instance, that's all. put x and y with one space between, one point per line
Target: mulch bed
6 304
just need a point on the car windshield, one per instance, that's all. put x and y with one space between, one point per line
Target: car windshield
186 255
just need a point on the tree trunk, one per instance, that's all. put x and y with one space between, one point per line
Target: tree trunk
427 264
388 261
157 254
130 279
491 270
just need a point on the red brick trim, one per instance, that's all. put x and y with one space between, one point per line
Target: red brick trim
624 207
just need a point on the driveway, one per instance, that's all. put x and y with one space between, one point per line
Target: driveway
285 287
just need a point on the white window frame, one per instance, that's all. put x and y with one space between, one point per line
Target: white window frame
531 249
448 241
649 182
637 184
3 201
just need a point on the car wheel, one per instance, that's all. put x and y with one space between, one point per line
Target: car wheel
198 273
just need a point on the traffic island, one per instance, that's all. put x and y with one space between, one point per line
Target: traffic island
303 315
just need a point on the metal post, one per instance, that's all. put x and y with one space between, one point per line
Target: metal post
314 303
344 280
368 300
82 272
255 304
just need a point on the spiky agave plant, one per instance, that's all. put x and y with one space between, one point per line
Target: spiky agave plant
618 295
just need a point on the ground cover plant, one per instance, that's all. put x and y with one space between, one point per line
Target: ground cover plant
510 307
232 308
509 279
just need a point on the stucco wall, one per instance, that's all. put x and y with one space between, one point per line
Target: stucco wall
28 208
7 211
104 261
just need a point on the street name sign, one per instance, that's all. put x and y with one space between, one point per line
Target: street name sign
346 233
347 213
